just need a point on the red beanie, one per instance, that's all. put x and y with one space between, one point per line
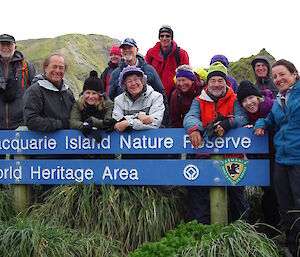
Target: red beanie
115 50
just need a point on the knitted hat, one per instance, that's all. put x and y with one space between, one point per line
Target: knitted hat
7 38
220 58
129 70
115 50
245 89
166 28
93 83
217 69
185 71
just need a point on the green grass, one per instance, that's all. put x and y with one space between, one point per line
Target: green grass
237 239
7 203
28 237
132 215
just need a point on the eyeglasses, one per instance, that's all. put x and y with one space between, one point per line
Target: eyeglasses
165 35
131 81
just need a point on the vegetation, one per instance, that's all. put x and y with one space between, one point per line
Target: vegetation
83 54
132 215
28 237
197 240
8 209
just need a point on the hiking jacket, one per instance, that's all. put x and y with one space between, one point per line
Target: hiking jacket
153 80
105 75
47 108
77 116
166 68
266 82
197 119
181 102
286 125
11 101
150 102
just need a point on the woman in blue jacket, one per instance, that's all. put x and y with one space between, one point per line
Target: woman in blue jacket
284 120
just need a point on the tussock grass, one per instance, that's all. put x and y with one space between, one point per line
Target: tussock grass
7 204
28 237
237 239
132 215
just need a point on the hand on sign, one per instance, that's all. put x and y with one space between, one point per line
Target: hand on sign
146 119
259 132
121 125
196 139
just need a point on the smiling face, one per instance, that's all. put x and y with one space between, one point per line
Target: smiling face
165 40
129 53
55 70
7 50
91 97
251 103
134 85
184 84
216 85
115 58
261 69
283 78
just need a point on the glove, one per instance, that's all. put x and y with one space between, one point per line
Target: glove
65 123
109 124
225 124
86 129
89 120
95 133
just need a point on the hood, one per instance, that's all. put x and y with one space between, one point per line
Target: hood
45 83
264 59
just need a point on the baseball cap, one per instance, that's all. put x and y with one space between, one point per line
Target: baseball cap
7 38
128 41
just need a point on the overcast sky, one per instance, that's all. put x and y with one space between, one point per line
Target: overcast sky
203 28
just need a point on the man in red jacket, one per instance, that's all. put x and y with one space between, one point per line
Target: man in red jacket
165 57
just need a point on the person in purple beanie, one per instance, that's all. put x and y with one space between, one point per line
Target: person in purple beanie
223 59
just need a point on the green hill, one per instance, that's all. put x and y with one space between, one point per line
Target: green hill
91 52
83 54
242 69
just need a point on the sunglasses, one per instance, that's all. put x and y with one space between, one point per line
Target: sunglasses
167 36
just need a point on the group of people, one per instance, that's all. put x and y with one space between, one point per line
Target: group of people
162 90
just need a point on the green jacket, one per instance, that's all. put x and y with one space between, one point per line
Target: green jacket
76 119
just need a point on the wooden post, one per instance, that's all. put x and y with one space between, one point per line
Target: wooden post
218 205
218 198
22 193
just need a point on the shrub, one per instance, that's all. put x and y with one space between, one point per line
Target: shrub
237 239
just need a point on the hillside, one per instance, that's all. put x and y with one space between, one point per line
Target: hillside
91 52
83 54
242 69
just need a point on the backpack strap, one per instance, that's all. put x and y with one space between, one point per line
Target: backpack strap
25 71
177 57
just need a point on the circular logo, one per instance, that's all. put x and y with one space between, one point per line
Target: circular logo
191 172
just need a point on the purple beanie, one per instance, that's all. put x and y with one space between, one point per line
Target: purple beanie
220 58
185 73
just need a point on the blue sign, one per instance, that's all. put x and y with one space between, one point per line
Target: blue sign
128 172
154 141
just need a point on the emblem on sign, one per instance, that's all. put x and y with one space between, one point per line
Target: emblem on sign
191 172
234 169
